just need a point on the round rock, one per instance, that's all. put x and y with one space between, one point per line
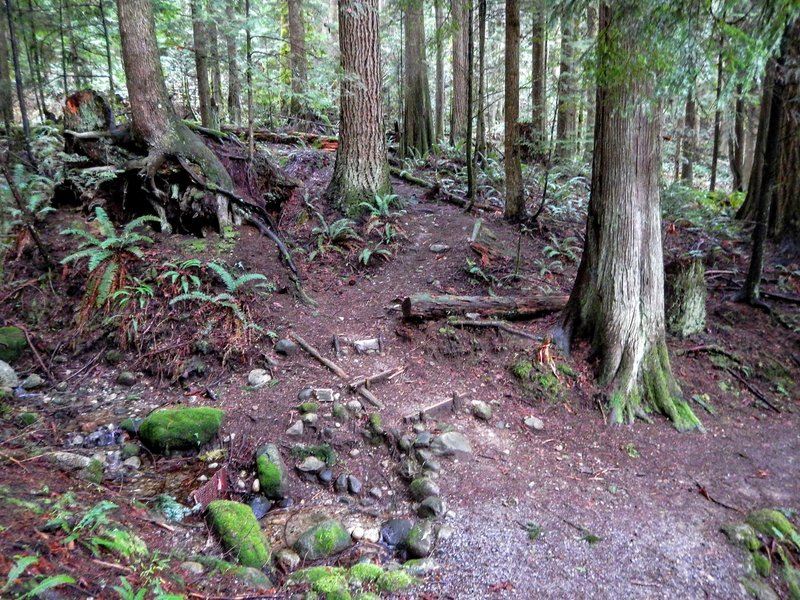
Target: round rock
481 410
286 347
258 378
311 464
534 423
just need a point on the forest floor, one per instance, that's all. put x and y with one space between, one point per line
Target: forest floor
575 509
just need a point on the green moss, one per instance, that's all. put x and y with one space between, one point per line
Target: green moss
762 564
271 477
368 572
180 428
322 540
366 596
312 574
12 343
394 581
308 407
94 472
27 419
375 423
548 382
333 586
792 578
742 535
522 369
239 532
340 412
772 523
324 452
565 369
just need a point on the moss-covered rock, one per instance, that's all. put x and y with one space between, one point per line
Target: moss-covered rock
249 575
312 574
333 587
271 472
180 428
93 472
742 535
12 343
322 540
772 523
792 578
27 419
394 581
760 590
762 564
239 532
365 572
308 407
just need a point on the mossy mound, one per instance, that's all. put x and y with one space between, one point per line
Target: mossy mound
271 472
12 343
742 535
322 540
539 381
180 428
324 452
394 581
312 574
239 532
367 572
308 408
772 523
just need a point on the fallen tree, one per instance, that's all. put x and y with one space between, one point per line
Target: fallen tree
433 306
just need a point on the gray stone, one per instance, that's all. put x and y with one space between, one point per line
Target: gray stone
431 465
296 429
450 443
481 410
423 487
306 394
340 485
8 377
32 381
192 567
271 471
310 418
340 413
325 395
423 439
534 423
405 442
376 492
322 540
354 485
395 531
288 559
421 567
431 507
286 347
311 464
134 463
259 505
325 476
419 542
408 468
258 378
354 406
70 460
126 378
439 248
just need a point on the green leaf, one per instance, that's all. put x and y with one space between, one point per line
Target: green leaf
23 562
224 275
97 258
47 584
105 284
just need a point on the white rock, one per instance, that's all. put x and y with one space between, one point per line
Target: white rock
258 378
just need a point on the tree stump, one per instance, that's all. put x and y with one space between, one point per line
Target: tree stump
686 298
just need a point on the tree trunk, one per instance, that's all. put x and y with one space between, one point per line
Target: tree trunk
106 38
297 57
26 128
784 220
717 123
617 302
588 133
201 63
216 70
538 79
469 149
567 105
361 168
439 117
515 200
417 127
736 147
154 119
458 102
749 210
35 65
480 143
234 82
6 94
689 139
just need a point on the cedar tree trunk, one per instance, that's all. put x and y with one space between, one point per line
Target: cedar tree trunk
297 56
417 126
515 201
689 140
6 93
234 81
617 302
567 95
201 62
539 75
458 102
439 117
361 168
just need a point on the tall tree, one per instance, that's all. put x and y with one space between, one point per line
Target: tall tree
567 94
361 169
458 100
154 119
749 209
439 116
15 57
234 81
689 139
717 120
515 200
480 142
736 142
617 302
297 56
215 64
6 94
417 124
199 34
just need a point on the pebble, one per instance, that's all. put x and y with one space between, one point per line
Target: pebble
258 378
340 485
256 486
126 378
286 347
310 418
306 394
481 410
134 462
32 381
355 406
357 533
311 464
376 492
354 485
325 476
439 248
260 506
192 567
534 423
372 535
288 559
296 429
431 507
285 503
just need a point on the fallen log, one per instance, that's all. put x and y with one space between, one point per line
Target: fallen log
432 306
294 138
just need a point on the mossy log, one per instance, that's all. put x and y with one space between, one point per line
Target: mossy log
432 306
686 298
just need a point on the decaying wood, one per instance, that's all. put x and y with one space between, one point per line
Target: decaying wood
436 189
369 397
439 409
387 375
753 390
432 306
294 138
502 325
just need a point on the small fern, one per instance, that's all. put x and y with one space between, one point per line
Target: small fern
378 251
234 284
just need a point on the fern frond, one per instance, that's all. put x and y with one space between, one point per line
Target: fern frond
104 222
106 284
76 256
139 221
193 295
97 257
227 279
247 278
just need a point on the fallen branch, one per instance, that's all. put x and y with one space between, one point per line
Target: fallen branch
436 188
368 381
431 306
754 390
313 352
295 138
781 297
502 325
35 352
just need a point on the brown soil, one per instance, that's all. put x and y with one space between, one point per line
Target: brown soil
654 497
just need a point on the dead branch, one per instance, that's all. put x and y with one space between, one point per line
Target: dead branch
313 352
753 390
388 374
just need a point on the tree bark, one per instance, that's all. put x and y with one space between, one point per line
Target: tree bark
689 139
717 123
433 306
480 142
26 128
107 39
737 143
216 69
6 93
567 101
439 117
234 81
154 119
201 63
417 126
361 169
297 57
591 34
458 102
617 302
515 200
539 76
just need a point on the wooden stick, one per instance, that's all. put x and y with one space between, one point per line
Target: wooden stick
35 352
313 352
754 390
497 325
367 381
432 306
369 397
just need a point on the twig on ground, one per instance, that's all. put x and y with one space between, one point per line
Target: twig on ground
753 390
